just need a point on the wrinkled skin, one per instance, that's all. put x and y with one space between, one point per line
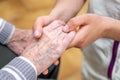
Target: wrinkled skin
44 51
23 38
20 40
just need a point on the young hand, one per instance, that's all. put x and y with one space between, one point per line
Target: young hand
92 27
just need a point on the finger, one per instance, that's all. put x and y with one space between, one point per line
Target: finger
45 72
56 62
68 38
58 44
37 28
75 22
80 37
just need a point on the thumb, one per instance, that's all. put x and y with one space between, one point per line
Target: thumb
68 39
39 24
80 38
74 23
37 31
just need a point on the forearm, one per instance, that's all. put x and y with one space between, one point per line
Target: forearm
112 31
66 9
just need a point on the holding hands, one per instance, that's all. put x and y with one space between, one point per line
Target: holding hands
44 51
91 28
48 45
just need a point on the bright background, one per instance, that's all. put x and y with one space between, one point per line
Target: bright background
23 13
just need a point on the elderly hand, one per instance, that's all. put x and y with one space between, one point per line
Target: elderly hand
20 40
23 38
38 29
44 51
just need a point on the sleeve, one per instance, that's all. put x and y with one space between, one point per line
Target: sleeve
19 68
6 31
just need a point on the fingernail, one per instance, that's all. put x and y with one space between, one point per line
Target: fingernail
36 33
65 28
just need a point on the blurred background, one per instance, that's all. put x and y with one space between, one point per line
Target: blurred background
23 13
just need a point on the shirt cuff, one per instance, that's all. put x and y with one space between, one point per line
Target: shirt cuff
6 31
21 68
25 59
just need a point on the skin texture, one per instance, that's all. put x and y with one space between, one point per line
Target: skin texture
53 42
20 40
37 29
91 26
23 38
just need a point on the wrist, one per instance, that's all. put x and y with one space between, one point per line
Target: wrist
63 15
65 10
20 40
16 33
112 28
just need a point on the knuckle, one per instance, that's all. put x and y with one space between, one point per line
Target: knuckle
53 45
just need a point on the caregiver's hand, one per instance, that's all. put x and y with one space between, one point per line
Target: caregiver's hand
92 27
45 51
41 22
